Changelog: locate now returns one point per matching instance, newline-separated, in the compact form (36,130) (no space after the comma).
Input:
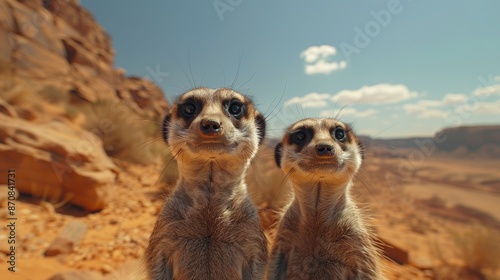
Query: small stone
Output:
(116,255)
(421,262)
(24,212)
(106,269)
(4,247)
(60,245)
(145,203)
(113,221)
(429,274)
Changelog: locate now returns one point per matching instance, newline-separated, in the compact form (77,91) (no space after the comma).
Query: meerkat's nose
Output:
(210,127)
(324,150)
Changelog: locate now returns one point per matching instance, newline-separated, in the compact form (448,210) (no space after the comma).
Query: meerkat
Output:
(322,234)
(209,228)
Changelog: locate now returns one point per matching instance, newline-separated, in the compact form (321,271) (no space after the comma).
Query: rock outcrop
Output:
(471,138)
(56,161)
(58,43)
(56,66)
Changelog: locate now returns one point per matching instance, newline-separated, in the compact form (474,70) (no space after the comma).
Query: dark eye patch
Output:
(301,137)
(189,109)
(235,108)
(339,133)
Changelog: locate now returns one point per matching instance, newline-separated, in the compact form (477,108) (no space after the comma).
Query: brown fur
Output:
(322,235)
(209,227)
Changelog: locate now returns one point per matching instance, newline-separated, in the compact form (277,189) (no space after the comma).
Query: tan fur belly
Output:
(206,258)
(308,266)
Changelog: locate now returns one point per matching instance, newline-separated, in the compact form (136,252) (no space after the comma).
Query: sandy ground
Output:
(401,211)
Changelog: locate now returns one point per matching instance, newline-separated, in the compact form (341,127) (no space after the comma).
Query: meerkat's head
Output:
(219,124)
(319,149)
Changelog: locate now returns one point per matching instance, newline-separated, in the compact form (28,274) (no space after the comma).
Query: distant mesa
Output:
(481,140)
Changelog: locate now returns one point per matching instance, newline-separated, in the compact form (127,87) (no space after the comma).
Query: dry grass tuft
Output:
(124,135)
(478,248)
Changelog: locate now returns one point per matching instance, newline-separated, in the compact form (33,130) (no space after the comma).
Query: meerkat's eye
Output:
(340,134)
(188,109)
(235,109)
(299,137)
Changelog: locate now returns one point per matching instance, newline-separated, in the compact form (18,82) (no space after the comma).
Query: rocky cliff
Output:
(62,102)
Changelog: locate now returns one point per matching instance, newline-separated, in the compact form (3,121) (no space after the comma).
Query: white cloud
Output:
(314,100)
(429,103)
(487,91)
(376,94)
(487,108)
(423,109)
(324,67)
(429,114)
(454,99)
(314,53)
(497,78)
(318,60)
(348,112)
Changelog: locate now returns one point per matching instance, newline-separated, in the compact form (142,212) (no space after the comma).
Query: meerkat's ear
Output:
(165,126)
(260,122)
(278,153)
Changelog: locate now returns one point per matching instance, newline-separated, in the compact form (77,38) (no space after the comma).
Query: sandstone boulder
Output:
(57,161)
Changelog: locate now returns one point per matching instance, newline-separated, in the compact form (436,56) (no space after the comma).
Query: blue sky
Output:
(392,68)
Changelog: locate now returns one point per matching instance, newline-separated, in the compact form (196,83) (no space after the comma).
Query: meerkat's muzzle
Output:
(210,128)
(324,150)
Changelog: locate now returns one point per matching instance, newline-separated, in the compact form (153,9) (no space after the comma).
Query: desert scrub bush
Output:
(169,173)
(478,248)
(123,133)
(54,95)
(71,111)
(15,90)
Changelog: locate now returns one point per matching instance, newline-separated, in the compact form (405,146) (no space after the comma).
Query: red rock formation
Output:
(57,46)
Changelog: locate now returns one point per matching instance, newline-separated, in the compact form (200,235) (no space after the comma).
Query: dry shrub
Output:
(478,248)
(13,89)
(54,95)
(169,173)
(124,134)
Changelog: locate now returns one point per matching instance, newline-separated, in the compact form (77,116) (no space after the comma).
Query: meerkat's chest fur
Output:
(206,226)
(325,243)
